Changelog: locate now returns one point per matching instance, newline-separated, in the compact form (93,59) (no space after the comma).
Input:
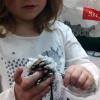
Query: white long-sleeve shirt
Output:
(60,44)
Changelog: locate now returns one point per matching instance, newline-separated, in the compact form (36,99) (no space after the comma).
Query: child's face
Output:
(25,9)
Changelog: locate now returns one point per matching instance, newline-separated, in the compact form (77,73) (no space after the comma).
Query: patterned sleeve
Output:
(76,55)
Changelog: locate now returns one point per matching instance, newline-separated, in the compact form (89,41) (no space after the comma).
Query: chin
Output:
(27,17)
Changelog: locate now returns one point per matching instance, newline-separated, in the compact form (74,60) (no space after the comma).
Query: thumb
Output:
(67,77)
(17,75)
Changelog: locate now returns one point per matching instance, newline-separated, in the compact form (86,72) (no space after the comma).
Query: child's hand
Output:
(25,88)
(79,77)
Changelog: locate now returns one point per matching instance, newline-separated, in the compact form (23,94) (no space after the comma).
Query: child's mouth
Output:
(28,6)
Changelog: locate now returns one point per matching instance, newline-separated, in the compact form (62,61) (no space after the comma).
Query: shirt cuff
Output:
(8,94)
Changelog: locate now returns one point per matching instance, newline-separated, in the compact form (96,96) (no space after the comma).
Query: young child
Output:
(28,28)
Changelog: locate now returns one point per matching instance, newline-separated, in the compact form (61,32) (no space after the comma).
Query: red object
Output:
(91,14)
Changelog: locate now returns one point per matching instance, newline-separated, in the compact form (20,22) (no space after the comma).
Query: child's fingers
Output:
(17,75)
(79,77)
(40,95)
(89,82)
(67,76)
(82,79)
(44,92)
(41,87)
(44,84)
(29,82)
(75,76)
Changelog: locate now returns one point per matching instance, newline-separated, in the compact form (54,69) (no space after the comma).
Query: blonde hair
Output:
(50,12)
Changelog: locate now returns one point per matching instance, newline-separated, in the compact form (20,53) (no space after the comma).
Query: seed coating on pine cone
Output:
(43,66)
